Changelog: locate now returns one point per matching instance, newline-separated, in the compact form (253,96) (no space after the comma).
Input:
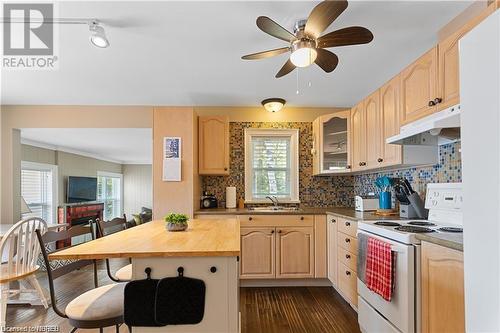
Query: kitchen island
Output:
(207,250)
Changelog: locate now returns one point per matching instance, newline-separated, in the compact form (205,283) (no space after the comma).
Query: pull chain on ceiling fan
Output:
(307,46)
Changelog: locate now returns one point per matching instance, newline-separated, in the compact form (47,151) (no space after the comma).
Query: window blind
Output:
(36,189)
(271,161)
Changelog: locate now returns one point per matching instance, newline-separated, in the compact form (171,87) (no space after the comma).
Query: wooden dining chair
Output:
(21,249)
(105,228)
(97,308)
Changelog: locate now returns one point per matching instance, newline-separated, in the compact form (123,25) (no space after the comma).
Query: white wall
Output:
(137,188)
(480,100)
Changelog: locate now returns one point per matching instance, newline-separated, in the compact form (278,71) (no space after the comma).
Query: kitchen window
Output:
(110,191)
(39,190)
(271,165)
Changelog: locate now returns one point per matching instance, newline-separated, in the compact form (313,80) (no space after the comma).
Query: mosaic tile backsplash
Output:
(329,191)
(314,191)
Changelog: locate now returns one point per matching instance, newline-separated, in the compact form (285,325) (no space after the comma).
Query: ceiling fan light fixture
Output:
(273,104)
(97,35)
(303,53)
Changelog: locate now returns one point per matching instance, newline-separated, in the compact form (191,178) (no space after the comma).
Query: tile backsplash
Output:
(314,191)
(328,191)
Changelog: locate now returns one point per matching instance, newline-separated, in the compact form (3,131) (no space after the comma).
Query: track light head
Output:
(97,35)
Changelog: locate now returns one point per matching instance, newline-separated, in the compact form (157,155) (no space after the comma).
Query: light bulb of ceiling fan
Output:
(303,57)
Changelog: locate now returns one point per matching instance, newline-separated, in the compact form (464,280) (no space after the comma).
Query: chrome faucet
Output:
(273,199)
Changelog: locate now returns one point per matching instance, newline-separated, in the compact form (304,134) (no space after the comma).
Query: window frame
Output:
(114,175)
(293,134)
(28,165)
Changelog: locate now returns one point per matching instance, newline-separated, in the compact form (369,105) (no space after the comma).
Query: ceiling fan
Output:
(307,46)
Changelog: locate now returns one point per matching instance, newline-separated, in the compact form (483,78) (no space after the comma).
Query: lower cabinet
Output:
(295,252)
(443,303)
(258,246)
(331,232)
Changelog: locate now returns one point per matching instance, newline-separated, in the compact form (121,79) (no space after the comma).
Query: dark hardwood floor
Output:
(263,310)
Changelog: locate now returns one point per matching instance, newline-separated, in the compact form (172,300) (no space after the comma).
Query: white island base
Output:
(222,290)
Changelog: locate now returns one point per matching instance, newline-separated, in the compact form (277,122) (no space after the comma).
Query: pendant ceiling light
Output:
(273,104)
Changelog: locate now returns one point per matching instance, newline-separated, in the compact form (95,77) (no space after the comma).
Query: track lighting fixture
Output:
(97,35)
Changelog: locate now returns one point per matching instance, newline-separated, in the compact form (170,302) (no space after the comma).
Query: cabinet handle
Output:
(380,160)
(272,231)
(225,169)
(432,103)
(250,218)
(438,100)
(348,256)
(347,273)
(348,167)
(362,163)
(347,240)
(347,224)
(302,218)
(334,221)
(279,231)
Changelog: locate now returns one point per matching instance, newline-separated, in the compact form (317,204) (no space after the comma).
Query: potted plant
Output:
(176,222)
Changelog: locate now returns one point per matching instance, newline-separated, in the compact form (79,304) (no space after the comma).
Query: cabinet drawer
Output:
(276,220)
(347,242)
(347,258)
(348,227)
(348,284)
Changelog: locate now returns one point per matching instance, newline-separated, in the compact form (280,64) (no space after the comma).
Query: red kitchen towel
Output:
(379,268)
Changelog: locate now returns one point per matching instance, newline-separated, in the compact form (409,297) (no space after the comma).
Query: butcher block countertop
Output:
(203,238)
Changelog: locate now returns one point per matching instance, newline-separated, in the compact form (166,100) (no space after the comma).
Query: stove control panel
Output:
(444,196)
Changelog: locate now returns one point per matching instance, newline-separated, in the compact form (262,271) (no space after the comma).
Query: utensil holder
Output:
(384,200)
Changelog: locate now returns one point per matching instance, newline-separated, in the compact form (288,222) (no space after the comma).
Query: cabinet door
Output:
(389,112)
(372,116)
(358,125)
(443,303)
(213,145)
(335,152)
(257,259)
(419,86)
(332,248)
(294,252)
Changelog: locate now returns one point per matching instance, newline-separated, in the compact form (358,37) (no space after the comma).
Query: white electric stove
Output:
(402,313)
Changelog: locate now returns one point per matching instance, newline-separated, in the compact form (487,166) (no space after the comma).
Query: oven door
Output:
(400,311)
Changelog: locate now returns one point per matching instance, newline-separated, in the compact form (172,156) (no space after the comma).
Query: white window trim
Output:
(115,175)
(294,167)
(55,182)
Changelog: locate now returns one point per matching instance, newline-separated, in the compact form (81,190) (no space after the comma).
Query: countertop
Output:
(447,239)
(203,238)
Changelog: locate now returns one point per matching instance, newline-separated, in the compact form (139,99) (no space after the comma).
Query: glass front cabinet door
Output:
(331,146)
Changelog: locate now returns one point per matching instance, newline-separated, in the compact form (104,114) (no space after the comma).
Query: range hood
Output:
(437,129)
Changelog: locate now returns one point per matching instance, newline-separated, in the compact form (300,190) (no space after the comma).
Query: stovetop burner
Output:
(410,228)
(387,224)
(451,229)
(422,223)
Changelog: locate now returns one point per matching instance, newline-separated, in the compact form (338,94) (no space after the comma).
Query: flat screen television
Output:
(81,189)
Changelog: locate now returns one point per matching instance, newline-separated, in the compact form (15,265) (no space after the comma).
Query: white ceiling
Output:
(119,145)
(188,53)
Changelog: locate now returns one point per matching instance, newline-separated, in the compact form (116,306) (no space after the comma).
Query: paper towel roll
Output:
(231,197)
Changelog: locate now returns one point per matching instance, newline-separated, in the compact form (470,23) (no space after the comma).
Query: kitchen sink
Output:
(275,209)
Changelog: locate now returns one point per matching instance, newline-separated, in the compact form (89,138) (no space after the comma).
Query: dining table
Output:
(208,250)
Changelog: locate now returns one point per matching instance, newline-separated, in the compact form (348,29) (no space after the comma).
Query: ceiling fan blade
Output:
(323,15)
(274,29)
(287,68)
(346,36)
(326,60)
(265,54)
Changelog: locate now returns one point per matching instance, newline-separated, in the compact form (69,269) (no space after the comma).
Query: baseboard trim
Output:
(286,283)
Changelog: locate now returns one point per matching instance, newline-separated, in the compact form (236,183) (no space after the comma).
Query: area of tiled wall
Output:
(314,191)
(447,171)
(328,191)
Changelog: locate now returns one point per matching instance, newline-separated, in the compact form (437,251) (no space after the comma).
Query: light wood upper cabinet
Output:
(373,130)
(358,129)
(443,303)
(295,252)
(331,232)
(213,137)
(257,253)
(448,71)
(419,86)
(389,113)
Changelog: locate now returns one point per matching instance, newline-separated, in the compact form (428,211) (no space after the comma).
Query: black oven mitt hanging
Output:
(180,300)
(139,298)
